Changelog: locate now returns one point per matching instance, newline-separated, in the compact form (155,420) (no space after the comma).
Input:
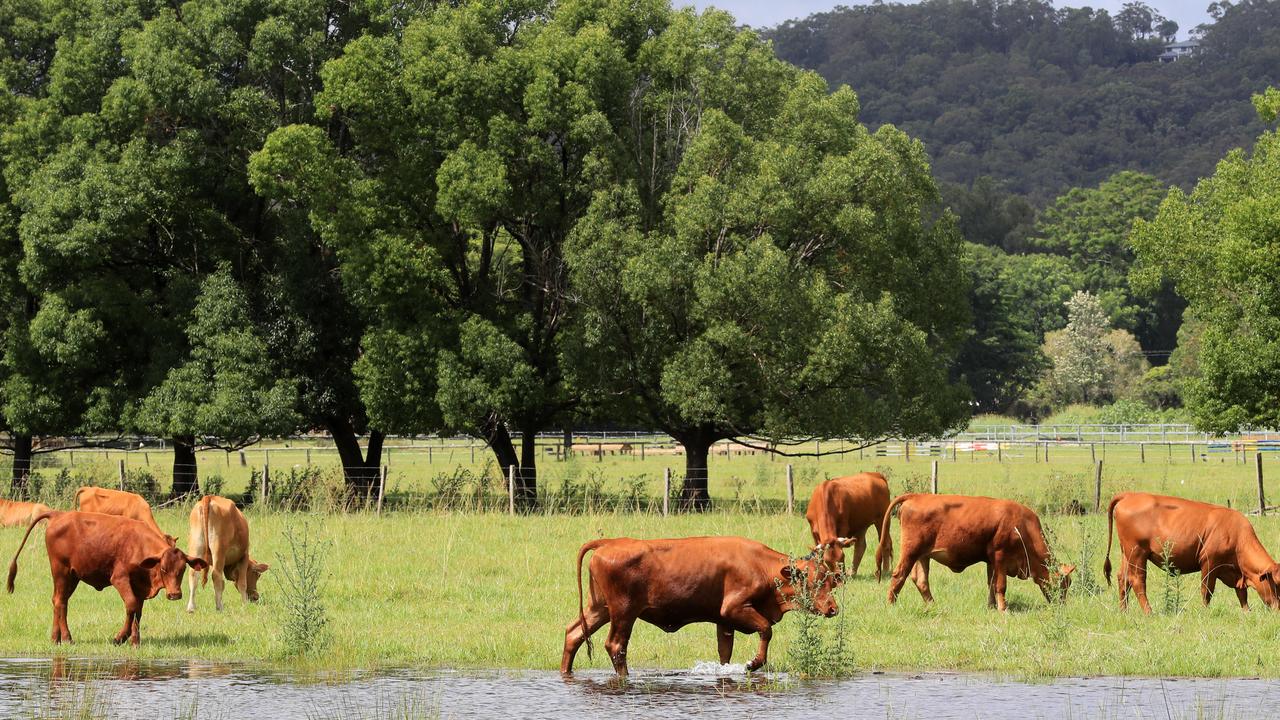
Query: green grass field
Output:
(489,590)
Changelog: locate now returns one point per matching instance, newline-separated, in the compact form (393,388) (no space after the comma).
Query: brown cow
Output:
(840,511)
(15,513)
(1215,541)
(104,550)
(119,502)
(220,534)
(959,531)
(738,584)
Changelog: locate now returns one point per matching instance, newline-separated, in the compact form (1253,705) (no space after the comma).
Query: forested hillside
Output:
(1047,99)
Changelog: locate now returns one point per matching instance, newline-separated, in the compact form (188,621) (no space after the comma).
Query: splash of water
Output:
(714,669)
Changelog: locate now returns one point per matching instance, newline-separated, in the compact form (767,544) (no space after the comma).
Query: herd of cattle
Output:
(743,586)
(113,540)
(738,584)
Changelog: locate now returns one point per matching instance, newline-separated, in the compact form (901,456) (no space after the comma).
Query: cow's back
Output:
(678,581)
(846,506)
(964,529)
(1154,520)
(16,513)
(216,522)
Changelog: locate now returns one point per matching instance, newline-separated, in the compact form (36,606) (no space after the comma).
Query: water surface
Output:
(130,689)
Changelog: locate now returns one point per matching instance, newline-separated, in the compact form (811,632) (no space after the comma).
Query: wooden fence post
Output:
(308,456)
(906,451)
(1093,452)
(511,489)
(1142,452)
(791,491)
(1097,486)
(266,483)
(954,451)
(473,452)
(1046,451)
(999,452)
(1193,452)
(243,462)
(934,477)
(146,459)
(1262,498)
(122,473)
(428,454)
(666,491)
(382,487)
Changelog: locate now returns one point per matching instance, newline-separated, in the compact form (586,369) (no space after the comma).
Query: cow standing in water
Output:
(102,550)
(840,511)
(737,584)
(219,534)
(1215,541)
(119,502)
(959,531)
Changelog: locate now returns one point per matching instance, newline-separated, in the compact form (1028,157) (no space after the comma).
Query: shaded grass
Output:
(489,590)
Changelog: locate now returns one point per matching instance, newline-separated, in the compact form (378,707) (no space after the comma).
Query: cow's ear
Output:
(845,542)
(261,567)
(1066,570)
(786,572)
(196,563)
(148,563)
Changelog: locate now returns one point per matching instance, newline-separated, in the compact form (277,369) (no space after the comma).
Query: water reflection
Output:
(66,686)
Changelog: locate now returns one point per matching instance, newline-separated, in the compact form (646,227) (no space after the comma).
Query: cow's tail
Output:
(13,566)
(203,505)
(884,551)
(582,615)
(1106,564)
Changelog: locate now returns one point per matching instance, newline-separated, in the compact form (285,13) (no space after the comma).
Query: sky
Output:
(763,13)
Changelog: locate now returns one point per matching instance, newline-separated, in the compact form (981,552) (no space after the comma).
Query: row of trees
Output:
(224,220)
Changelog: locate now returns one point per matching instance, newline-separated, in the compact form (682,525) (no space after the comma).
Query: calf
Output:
(959,531)
(103,550)
(119,502)
(15,513)
(220,535)
(738,584)
(1215,541)
(840,511)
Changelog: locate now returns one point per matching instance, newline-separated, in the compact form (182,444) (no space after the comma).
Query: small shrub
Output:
(1171,592)
(142,482)
(1086,582)
(910,483)
(301,573)
(213,484)
(820,648)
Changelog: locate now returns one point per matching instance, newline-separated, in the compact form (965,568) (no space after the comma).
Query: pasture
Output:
(464,589)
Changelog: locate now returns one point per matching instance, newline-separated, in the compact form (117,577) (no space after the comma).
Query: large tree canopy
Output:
(1220,245)
(762,270)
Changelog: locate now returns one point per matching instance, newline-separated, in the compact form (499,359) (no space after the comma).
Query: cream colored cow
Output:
(219,533)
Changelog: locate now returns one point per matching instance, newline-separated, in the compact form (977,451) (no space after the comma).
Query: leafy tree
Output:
(1090,361)
(762,269)
(1001,359)
(1220,246)
(1090,226)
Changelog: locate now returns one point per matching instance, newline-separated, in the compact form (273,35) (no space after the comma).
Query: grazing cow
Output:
(840,511)
(15,513)
(119,502)
(104,550)
(1215,541)
(220,534)
(959,531)
(738,584)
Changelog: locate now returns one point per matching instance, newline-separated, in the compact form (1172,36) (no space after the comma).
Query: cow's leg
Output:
(906,564)
(577,633)
(1137,576)
(217,569)
(920,576)
(991,584)
(616,643)
(859,547)
(999,581)
(724,643)
(63,585)
(132,612)
(745,616)
(1242,594)
(1208,582)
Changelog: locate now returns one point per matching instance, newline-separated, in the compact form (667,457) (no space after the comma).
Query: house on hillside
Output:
(1176,50)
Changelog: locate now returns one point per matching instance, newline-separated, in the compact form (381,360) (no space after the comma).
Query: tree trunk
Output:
(568,441)
(21,465)
(694,495)
(360,470)
(527,478)
(185,481)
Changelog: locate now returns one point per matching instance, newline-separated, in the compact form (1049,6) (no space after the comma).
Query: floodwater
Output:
(64,687)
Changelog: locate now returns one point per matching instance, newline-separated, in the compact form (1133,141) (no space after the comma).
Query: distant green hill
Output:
(1046,99)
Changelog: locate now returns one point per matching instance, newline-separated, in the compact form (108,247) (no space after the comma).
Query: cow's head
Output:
(833,552)
(1064,582)
(251,579)
(167,569)
(809,583)
(1269,586)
